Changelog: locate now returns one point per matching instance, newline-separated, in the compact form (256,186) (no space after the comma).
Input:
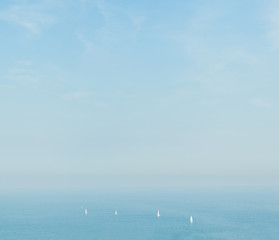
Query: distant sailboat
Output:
(85,211)
(158,214)
(191,219)
(115,212)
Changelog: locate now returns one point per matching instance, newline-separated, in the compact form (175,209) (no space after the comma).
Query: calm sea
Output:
(217,215)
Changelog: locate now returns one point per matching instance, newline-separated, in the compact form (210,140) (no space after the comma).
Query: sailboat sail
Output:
(158,214)
(191,219)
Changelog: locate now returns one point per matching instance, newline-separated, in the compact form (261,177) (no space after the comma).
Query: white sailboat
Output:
(115,212)
(191,219)
(85,211)
(158,214)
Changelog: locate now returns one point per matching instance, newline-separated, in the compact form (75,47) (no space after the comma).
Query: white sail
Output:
(191,219)
(158,214)
(115,212)
(85,211)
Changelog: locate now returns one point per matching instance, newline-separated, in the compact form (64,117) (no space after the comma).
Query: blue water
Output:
(217,215)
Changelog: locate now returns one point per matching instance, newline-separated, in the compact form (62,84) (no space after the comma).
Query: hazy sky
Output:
(105,93)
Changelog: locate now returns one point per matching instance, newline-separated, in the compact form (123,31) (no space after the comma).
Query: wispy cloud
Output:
(119,23)
(29,16)
(6,86)
(215,63)
(76,95)
(88,44)
(273,32)
(137,22)
(23,78)
(260,102)
(85,97)
(102,105)
(23,72)
(112,13)
(105,9)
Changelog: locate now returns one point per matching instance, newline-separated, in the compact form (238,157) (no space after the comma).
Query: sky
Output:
(137,94)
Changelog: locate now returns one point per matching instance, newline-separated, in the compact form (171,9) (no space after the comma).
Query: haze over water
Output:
(93,91)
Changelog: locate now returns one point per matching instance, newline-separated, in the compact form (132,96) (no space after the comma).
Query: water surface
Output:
(217,215)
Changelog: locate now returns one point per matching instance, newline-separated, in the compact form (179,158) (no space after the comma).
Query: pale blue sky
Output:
(122,93)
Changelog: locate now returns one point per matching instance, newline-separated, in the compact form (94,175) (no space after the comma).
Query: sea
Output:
(218,214)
